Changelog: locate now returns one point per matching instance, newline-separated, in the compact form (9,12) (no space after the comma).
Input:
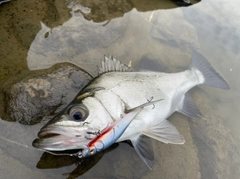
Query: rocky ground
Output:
(42,94)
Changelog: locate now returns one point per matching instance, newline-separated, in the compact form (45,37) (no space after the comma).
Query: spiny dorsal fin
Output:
(111,64)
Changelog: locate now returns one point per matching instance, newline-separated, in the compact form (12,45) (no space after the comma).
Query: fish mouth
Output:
(60,138)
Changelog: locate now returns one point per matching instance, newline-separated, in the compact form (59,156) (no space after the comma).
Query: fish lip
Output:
(56,130)
(59,138)
(47,132)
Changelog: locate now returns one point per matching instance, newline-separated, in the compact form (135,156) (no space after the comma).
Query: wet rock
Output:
(20,22)
(24,28)
(106,10)
(44,94)
(101,11)
(25,32)
(172,29)
(184,2)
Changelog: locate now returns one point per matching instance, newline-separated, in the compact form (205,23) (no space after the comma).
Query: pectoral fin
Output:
(143,147)
(165,132)
(189,108)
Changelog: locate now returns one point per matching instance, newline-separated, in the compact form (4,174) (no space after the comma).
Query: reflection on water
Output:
(69,41)
(129,31)
(219,36)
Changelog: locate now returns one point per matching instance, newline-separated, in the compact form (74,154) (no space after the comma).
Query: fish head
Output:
(75,126)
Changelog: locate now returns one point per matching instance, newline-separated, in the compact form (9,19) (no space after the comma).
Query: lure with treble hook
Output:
(112,133)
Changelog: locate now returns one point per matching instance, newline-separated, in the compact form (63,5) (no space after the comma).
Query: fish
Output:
(112,133)
(117,89)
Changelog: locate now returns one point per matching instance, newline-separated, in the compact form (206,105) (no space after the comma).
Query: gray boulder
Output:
(43,94)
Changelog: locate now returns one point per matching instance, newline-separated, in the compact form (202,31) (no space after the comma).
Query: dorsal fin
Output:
(111,64)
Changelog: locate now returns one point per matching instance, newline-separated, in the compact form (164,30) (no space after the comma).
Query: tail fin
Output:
(210,76)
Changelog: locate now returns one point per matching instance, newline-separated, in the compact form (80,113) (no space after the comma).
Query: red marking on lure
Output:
(105,132)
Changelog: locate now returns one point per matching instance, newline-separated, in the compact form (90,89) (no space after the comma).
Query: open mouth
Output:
(52,131)
(59,138)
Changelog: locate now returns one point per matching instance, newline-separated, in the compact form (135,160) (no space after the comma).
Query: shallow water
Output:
(129,31)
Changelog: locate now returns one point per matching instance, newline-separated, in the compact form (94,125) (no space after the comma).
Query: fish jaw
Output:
(64,132)
(57,137)
(60,143)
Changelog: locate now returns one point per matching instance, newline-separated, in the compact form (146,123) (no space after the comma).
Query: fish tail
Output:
(206,73)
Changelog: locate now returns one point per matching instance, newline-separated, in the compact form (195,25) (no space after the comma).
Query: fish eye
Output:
(78,113)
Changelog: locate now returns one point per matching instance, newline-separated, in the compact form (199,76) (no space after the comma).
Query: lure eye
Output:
(78,113)
(92,151)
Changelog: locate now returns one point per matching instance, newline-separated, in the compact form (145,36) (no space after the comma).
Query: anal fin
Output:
(143,147)
(189,108)
(165,132)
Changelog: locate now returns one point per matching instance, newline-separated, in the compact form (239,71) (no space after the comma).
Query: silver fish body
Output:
(134,88)
(112,133)
(107,97)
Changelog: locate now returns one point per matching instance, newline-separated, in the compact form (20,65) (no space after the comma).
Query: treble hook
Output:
(77,154)
(150,100)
